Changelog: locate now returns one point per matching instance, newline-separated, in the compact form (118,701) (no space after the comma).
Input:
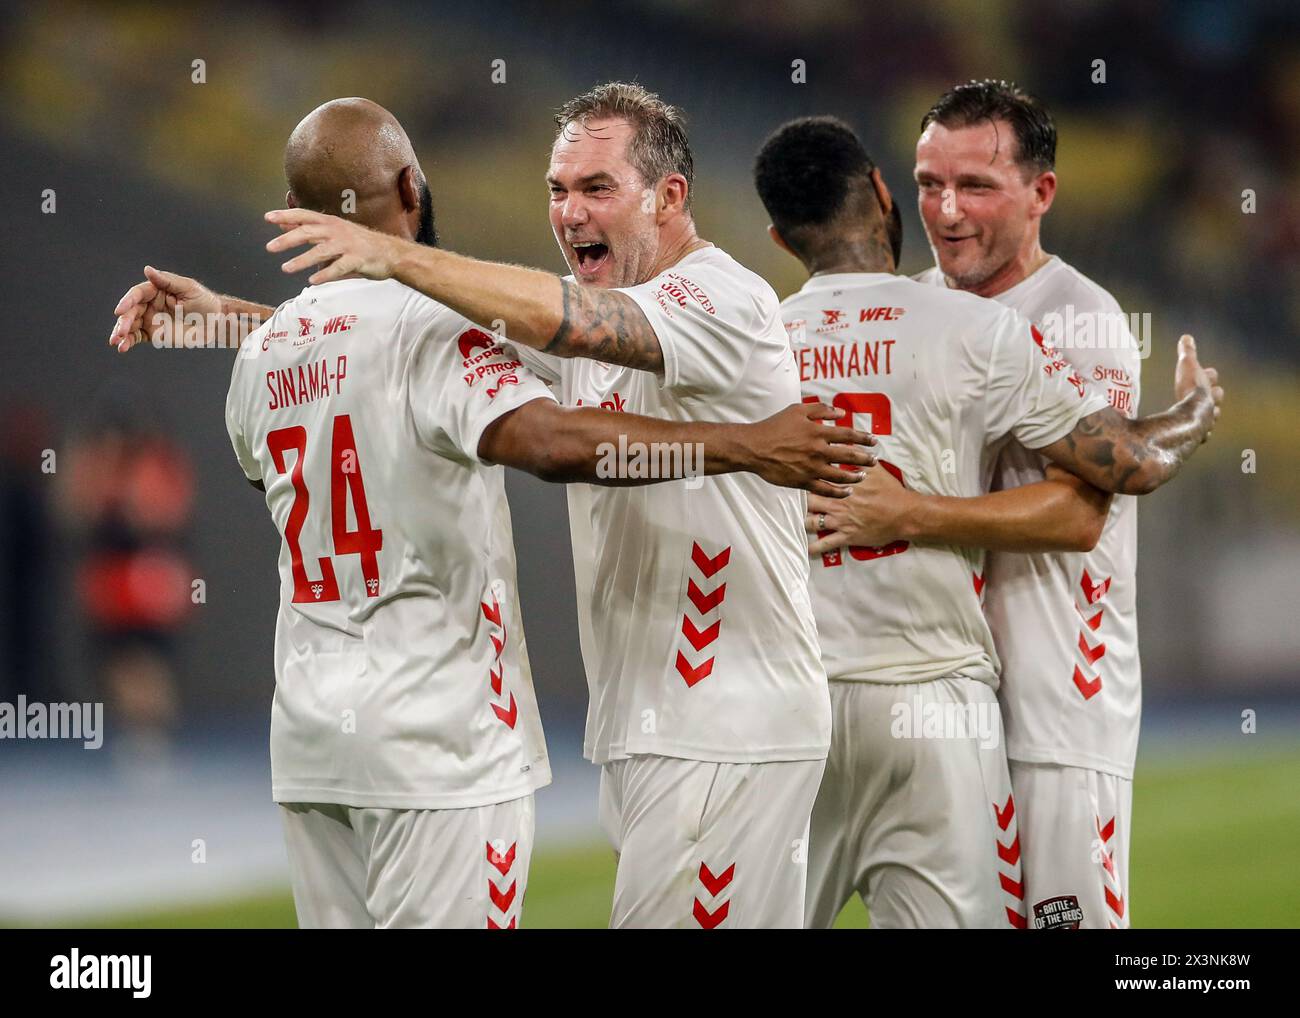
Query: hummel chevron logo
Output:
(714,884)
(709,566)
(699,640)
(1095,621)
(508,926)
(708,920)
(1088,687)
(492,614)
(501,862)
(705,603)
(693,675)
(978,581)
(1010,854)
(1014,888)
(1115,903)
(1093,592)
(1006,814)
(1091,654)
(508,716)
(495,679)
(502,899)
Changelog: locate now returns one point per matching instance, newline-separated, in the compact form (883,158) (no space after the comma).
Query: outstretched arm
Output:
(1061,513)
(792,448)
(539,309)
(1135,457)
(167,309)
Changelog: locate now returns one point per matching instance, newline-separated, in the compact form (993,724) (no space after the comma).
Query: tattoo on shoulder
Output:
(605,326)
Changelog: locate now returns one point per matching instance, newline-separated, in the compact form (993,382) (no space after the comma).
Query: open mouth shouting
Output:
(589,256)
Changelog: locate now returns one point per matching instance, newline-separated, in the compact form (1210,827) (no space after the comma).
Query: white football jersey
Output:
(1065,623)
(402,679)
(697,631)
(942,379)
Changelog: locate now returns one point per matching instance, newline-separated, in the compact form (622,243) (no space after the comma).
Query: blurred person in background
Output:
(127,493)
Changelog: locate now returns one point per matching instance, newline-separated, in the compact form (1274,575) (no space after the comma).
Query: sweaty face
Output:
(974,199)
(602,216)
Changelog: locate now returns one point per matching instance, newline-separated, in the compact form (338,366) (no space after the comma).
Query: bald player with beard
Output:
(405,739)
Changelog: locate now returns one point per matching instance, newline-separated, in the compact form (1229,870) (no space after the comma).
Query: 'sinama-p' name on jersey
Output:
(942,379)
(402,679)
(1065,623)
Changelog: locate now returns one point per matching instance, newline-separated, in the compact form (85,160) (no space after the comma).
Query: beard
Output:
(894,231)
(428,232)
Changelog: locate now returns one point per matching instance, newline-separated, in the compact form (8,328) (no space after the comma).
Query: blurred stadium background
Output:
(97,103)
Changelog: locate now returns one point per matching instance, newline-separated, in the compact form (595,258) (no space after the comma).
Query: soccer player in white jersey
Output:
(405,740)
(1065,623)
(709,711)
(915,812)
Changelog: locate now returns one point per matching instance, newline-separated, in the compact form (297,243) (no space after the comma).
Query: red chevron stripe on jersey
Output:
(705,603)
(508,715)
(693,675)
(1093,592)
(701,635)
(700,640)
(708,920)
(1088,687)
(1005,814)
(1091,654)
(715,884)
(709,566)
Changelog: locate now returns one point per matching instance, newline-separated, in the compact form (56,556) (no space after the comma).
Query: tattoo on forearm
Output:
(1141,455)
(605,326)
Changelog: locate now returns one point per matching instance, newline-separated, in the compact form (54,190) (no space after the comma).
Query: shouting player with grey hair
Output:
(405,740)
(709,713)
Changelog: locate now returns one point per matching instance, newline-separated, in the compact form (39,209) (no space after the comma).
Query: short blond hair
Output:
(659,145)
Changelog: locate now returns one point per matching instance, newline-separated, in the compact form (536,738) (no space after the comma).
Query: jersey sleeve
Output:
(546,366)
(708,322)
(234,419)
(460,380)
(1033,392)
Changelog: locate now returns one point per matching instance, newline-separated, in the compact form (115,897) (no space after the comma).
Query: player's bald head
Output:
(352,145)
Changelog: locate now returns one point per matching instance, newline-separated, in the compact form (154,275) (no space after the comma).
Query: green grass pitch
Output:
(1214,845)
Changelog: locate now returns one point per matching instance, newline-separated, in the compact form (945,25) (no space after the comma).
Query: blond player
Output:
(405,742)
(916,813)
(709,711)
